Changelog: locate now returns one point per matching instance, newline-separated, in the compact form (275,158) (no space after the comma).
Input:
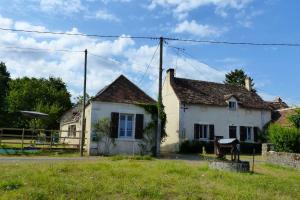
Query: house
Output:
(122,103)
(281,116)
(70,126)
(201,110)
(277,104)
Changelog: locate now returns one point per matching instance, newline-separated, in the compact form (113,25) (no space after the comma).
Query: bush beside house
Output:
(284,139)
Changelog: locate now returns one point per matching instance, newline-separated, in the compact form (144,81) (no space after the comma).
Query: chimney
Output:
(170,73)
(248,84)
(278,99)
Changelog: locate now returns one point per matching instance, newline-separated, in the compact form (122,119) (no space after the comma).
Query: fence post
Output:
(51,138)
(1,132)
(22,146)
(253,160)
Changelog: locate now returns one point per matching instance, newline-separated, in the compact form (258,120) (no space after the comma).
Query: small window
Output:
(248,133)
(126,126)
(232,105)
(72,131)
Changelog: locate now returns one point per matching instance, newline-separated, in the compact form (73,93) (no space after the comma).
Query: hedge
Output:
(194,146)
(285,139)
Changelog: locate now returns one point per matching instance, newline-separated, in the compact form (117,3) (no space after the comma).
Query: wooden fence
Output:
(17,138)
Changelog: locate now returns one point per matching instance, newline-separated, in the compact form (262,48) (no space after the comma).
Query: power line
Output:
(39,49)
(105,59)
(79,34)
(234,43)
(147,67)
(154,38)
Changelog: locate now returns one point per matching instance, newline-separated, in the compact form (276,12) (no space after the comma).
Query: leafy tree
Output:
(295,118)
(44,95)
(79,99)
(103,136)
(4,80)
(237,78)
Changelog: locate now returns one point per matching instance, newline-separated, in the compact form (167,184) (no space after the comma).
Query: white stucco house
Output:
(122,103)
(200,110)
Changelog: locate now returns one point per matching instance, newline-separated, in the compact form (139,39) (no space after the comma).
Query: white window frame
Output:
(133,126)
(249,133)
(207,131)
(232,103)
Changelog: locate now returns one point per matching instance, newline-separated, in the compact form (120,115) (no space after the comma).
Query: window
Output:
(72,131)
(232,105)
(248,133)
(126,126)
(232,131)
(201,131)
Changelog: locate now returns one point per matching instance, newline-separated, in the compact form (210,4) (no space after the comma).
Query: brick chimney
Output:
(248,84)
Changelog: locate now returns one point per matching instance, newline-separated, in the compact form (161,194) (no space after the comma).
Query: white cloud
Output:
(103,15)
(201,30)
(245,19)
(184,7)
(131,60)
(62,6)
(5,22)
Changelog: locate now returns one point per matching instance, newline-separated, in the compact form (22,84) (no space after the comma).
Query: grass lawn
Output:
(117,178)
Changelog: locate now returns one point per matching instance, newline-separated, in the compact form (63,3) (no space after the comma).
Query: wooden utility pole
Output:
(158,135)
(82,136)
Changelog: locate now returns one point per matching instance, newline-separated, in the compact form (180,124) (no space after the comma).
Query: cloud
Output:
(201,30)
(245,19)
(62,6)
(5,22)
(103,15)
(184,7)
(113,57)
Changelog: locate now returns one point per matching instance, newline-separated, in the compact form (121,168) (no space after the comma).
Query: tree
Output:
(103,136)
(295,118)
(4,80)
(79,99)
(237,78)
(44,95)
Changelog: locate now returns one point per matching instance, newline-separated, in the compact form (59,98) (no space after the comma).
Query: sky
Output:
(275,70)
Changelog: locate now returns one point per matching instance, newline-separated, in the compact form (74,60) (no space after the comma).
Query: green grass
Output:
(127,178)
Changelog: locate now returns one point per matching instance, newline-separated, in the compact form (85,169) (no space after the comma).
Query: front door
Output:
(232,131)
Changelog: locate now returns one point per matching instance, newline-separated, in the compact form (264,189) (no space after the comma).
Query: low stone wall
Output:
(243,166)
(280,158)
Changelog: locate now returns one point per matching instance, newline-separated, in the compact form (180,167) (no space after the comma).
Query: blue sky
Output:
(275,70)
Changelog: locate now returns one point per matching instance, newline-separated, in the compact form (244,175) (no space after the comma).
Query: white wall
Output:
(99,110)
(222,118)
(171,103)
(64,133)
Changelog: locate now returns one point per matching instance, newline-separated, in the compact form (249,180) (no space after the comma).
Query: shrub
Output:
(187,147)
(285,139)
(247,148)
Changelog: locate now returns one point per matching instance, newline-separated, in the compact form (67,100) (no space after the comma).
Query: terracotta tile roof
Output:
(281,117)
(123,90)
(210,93)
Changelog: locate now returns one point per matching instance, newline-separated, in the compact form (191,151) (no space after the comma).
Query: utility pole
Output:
(82,136)
(158,136)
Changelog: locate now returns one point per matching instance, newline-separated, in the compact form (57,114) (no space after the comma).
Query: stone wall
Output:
(280,158)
